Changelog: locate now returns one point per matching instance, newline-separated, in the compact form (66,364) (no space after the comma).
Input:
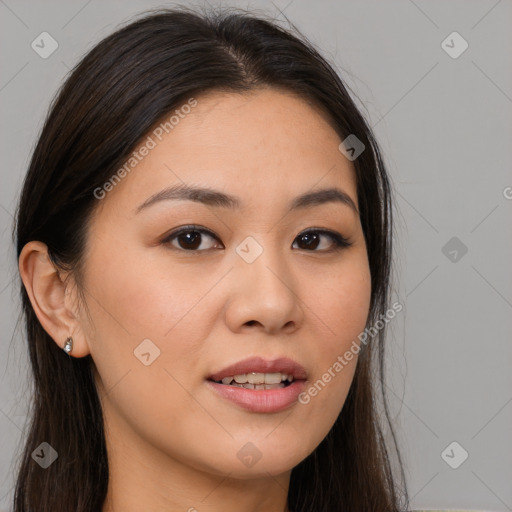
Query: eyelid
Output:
(340,242)
(187,228)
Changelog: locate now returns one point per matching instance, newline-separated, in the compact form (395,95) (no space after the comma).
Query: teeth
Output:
(273,378)
(254,380)
(258,386)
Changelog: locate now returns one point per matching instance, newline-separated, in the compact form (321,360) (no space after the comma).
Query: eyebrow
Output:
(216,198)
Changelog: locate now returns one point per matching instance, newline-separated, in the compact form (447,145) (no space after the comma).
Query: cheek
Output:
(131,303)
(149,299)
(171,308)
(341,301)
(341,306)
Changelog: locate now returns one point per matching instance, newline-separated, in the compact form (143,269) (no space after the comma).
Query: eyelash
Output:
(340,242)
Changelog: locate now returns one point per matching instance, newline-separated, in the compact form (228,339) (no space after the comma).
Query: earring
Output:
(68,346)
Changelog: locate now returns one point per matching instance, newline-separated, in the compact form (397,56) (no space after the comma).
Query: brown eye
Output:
(191,239)
(312,239)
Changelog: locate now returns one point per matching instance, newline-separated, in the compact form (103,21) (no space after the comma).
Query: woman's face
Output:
(167,312)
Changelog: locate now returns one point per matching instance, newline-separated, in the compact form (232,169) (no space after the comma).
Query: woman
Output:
(204,240)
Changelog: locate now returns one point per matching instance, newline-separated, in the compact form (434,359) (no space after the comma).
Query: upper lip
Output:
(261,365)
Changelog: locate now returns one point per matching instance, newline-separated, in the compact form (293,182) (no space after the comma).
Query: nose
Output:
(264,296)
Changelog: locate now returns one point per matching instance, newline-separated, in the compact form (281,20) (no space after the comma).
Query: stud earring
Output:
(68,346)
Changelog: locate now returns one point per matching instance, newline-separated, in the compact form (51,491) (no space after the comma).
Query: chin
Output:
(257,460)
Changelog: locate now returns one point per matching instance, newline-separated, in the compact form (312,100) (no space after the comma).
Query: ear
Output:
(55,301)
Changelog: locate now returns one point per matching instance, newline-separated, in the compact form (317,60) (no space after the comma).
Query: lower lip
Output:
(261,400)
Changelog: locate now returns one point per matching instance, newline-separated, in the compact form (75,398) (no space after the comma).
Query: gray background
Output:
(445,126)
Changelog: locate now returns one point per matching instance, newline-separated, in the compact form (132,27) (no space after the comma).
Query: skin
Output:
(172,442)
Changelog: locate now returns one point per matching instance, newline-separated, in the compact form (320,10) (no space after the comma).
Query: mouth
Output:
(257,371)
(254,380)
(260,385)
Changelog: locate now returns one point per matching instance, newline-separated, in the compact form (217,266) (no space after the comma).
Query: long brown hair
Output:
(110,101)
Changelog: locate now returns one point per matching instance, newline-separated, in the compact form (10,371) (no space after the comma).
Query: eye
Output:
(193,238)
(190,238)
(312,239)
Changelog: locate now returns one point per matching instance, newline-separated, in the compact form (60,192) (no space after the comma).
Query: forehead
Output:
(264,146)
